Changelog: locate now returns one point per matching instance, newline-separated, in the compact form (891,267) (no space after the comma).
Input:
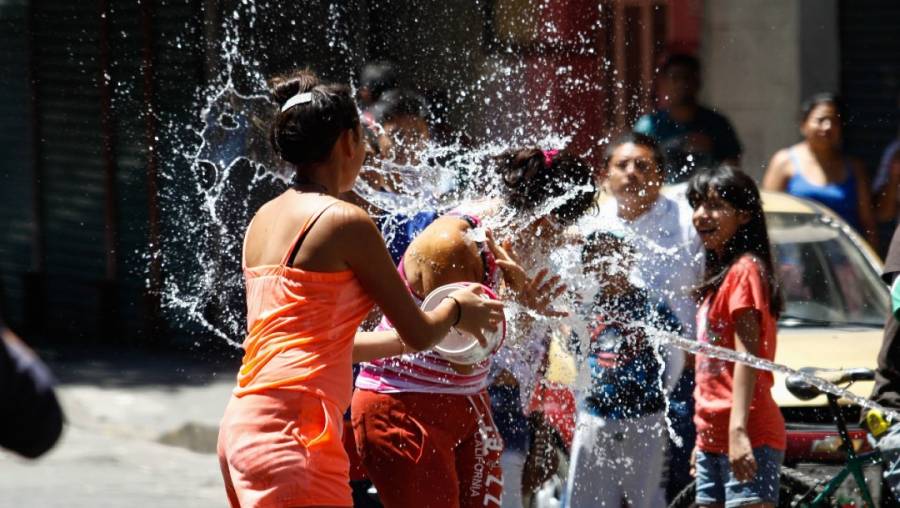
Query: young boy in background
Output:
(618,450)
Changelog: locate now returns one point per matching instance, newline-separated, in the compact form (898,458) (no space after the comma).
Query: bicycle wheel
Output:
(685,498)
(798,489)
(795,490)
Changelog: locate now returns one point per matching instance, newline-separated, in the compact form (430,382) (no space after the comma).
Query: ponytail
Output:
(305,132)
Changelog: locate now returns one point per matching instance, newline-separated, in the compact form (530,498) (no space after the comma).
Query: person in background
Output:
(403,115)
(887,195)
(886,391)
(519,367)
(888,184)
(31,419)
(816,168)
(741,436)
(618,450)
(397,132)
(659,228)
(692,136)
(886,188)
(375,79)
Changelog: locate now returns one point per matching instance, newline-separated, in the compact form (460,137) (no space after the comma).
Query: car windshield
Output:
(826,279)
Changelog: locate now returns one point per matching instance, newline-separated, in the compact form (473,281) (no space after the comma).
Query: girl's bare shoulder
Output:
(748,262)
(781,160)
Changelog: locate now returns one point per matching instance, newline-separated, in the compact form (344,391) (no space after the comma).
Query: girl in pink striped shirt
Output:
(422,424)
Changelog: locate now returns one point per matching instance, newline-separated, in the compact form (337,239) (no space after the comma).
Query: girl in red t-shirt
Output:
(740,430)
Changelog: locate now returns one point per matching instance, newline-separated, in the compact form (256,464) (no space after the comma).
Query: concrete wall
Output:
(750,55)
(820,48)
(760,58)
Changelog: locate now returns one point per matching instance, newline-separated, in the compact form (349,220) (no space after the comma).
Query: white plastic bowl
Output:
(457,346)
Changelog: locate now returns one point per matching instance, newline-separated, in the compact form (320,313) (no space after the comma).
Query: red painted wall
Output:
(572,62)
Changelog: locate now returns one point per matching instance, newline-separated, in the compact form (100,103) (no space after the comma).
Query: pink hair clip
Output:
(548,156)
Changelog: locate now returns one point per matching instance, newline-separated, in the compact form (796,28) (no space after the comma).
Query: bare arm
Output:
(778,172)
(365,254)
(368,346)
(886,202)
(866,214)
(746,340)
(886,198)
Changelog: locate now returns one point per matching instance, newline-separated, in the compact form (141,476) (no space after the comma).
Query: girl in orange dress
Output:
(314,267)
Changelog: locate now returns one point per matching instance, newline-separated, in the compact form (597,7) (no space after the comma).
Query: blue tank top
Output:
(842,198)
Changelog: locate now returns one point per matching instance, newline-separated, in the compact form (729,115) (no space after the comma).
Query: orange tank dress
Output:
(280,437)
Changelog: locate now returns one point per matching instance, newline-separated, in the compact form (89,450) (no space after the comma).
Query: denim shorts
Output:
(716,484)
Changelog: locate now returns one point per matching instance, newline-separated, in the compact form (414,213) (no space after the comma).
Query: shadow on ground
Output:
(109,366)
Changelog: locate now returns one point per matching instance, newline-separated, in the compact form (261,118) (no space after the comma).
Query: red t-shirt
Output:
(744,287)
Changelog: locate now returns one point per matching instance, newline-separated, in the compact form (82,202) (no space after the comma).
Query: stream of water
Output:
(226,171)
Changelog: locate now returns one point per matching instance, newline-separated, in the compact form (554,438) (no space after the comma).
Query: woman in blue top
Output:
(817,169)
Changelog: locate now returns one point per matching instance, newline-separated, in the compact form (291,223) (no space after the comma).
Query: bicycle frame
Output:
(855,462)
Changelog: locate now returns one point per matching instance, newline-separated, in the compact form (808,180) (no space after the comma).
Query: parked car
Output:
(835,300)
(836,306)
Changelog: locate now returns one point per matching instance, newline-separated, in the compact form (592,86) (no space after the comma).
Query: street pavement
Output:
(140,431)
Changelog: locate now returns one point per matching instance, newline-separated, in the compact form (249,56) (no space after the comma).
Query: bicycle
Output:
(798,489)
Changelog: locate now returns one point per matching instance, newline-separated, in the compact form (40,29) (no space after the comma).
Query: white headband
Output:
(300,98)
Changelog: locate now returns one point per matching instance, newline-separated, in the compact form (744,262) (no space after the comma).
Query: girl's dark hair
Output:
(397,103)
(638,139)
(812,101)
(306,132)
(690,62)
(529,180)
(612,241)
(378,77)
(740,191)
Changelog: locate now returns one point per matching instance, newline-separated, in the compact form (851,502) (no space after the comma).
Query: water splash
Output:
(225,170)
(763,364)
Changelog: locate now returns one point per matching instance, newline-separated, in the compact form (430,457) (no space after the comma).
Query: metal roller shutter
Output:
(66,67)
(870,75)
(15,159)
(86,291)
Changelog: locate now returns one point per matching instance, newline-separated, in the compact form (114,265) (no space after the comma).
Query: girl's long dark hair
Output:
(305,133)
(531,176)
(740,191)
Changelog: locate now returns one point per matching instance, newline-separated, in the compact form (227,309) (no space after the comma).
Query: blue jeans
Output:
(681,414)
(716,484)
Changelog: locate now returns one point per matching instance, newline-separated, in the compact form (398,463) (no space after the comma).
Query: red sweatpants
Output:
(429,450)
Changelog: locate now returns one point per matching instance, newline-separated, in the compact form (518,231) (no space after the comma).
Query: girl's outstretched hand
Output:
(535,292)
(693,462)
(477,312)
(540,293)
(514,275)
